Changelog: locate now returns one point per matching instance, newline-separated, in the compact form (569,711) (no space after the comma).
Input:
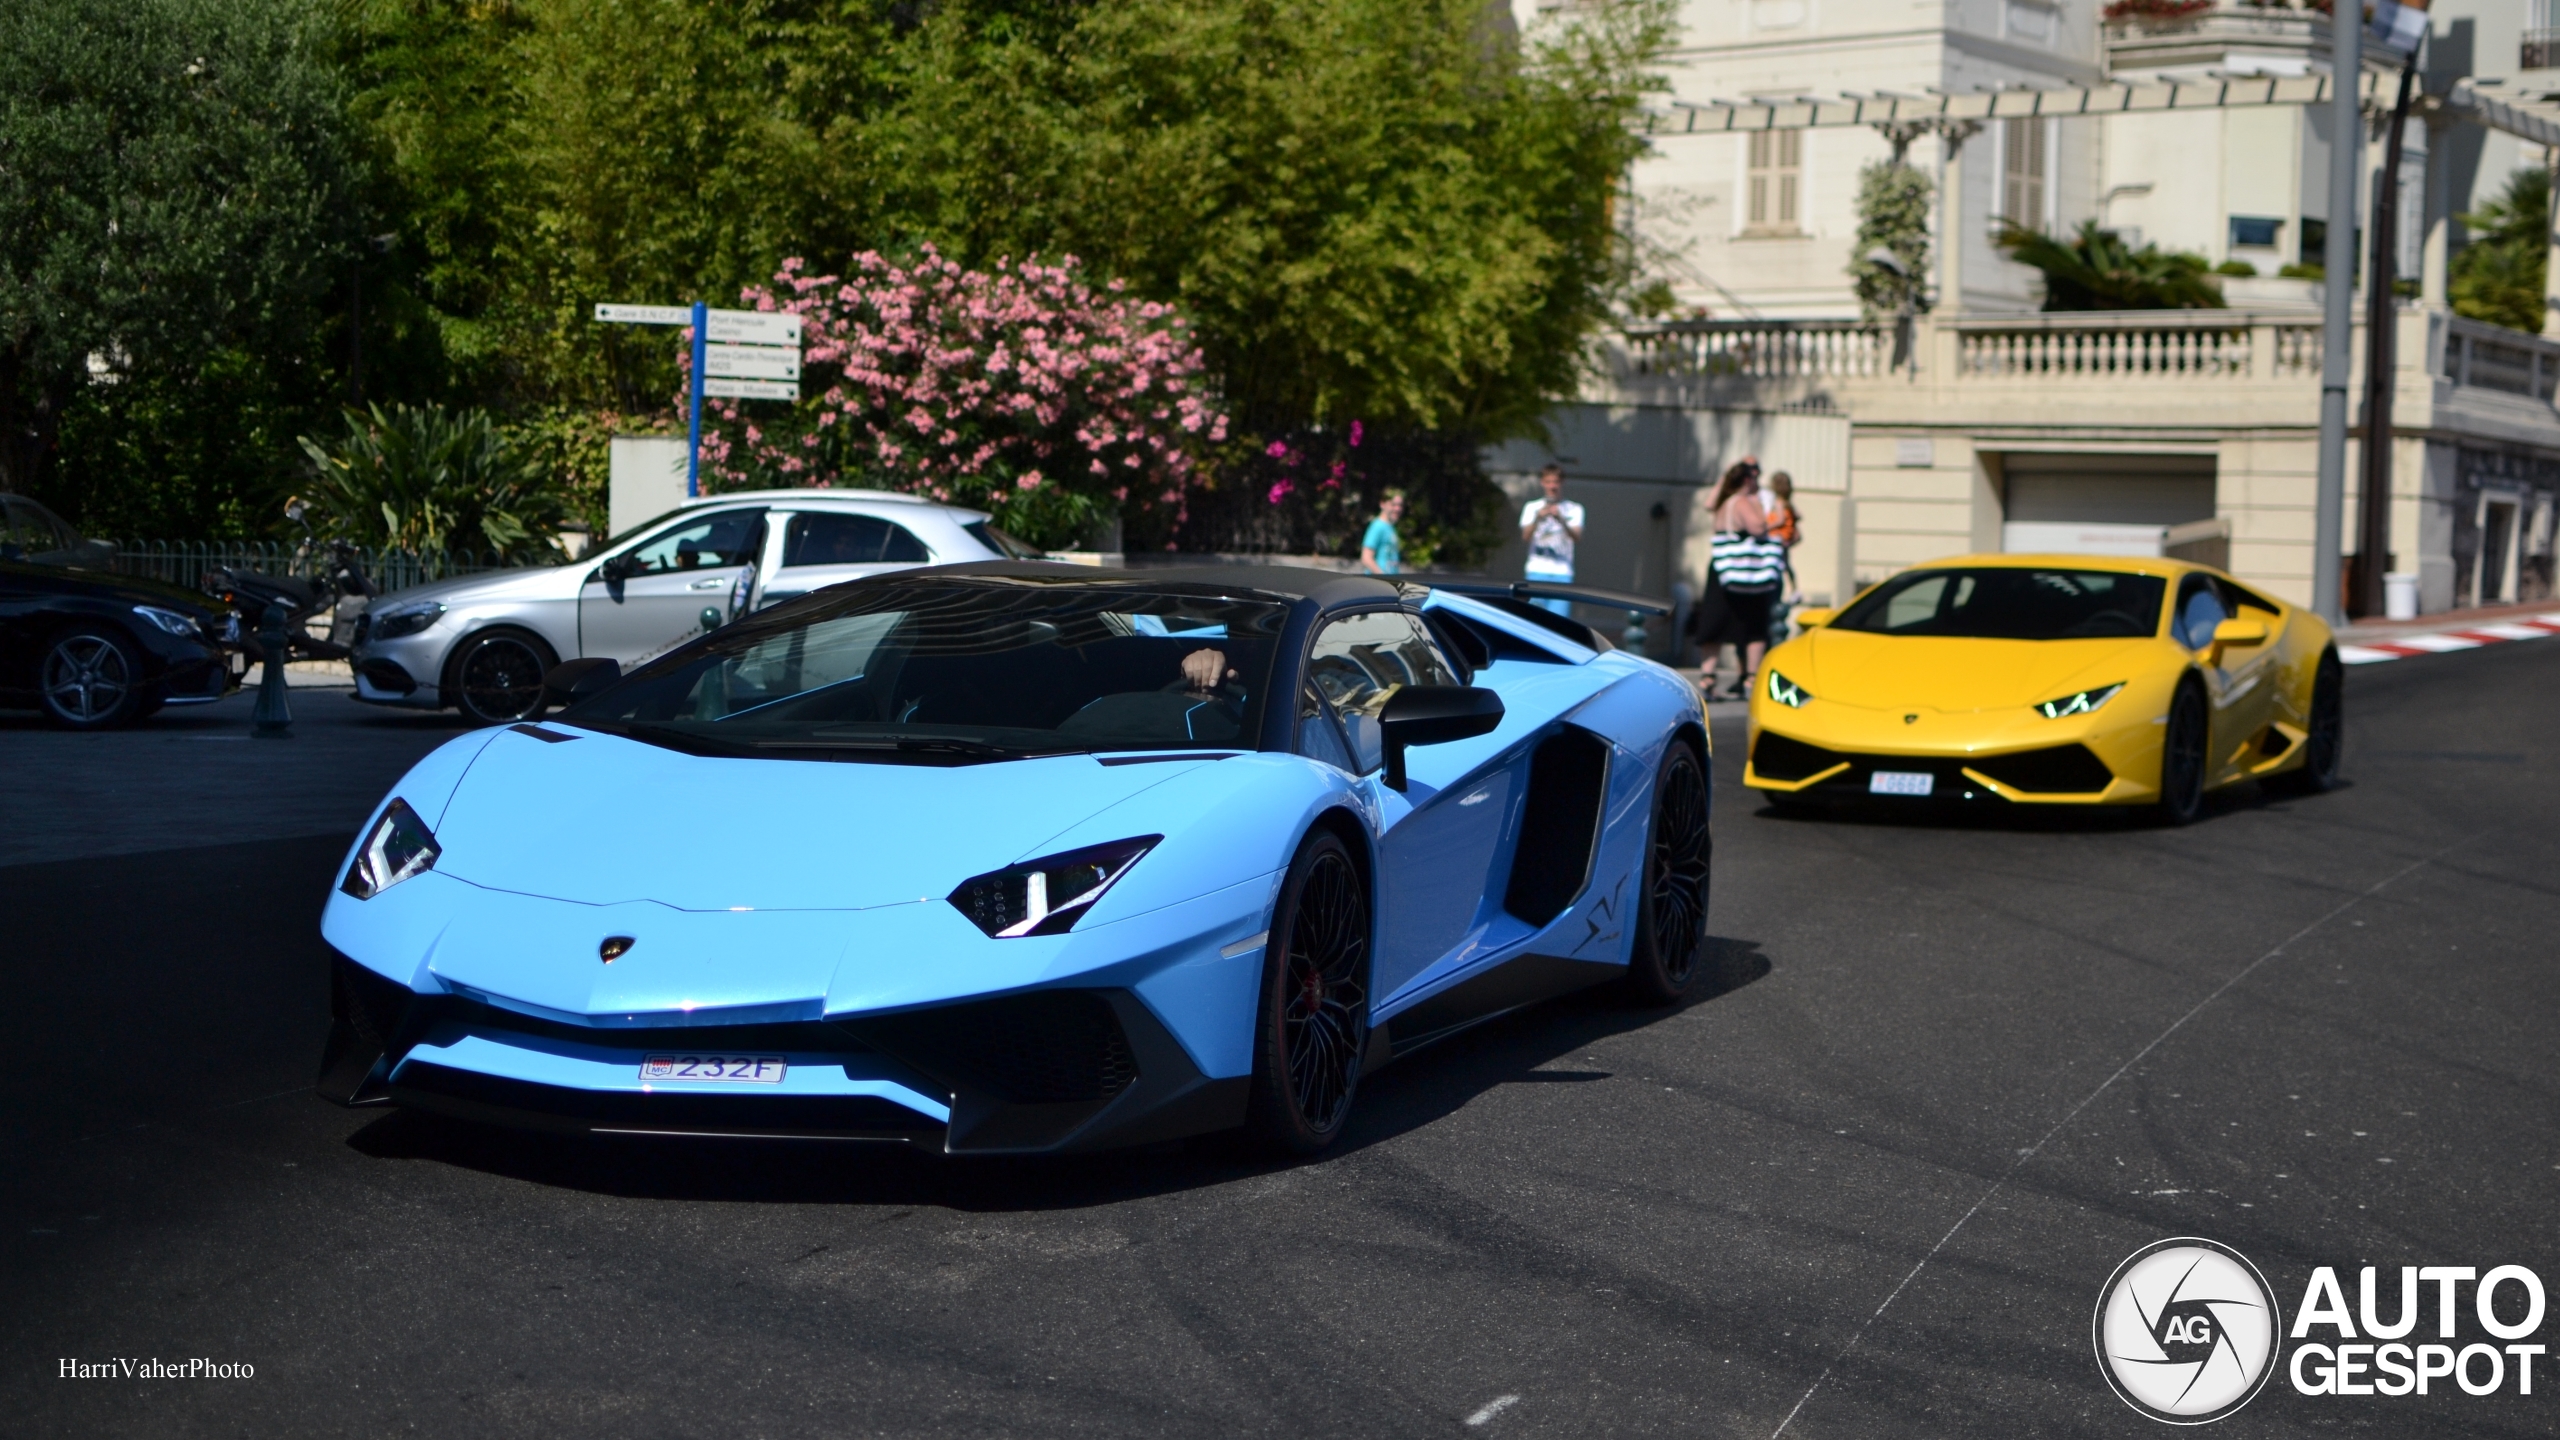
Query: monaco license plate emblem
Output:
(1901,782)
(726,1069)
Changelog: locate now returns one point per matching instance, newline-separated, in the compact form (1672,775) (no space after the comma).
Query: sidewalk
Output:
(2369,642)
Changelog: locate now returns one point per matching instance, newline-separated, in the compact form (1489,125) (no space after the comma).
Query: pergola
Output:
(1957,117)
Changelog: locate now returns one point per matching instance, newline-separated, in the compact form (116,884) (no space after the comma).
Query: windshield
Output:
(2010,603)
(948,671)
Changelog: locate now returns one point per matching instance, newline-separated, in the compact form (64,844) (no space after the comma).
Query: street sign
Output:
(758,358)
(644,314)
(753,327)
(750,362)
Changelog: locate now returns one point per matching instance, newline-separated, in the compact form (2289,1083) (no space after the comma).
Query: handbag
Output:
(1750,563)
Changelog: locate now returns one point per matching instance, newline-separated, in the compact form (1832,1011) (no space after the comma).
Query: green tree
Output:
(1893,215)
(2498,276)
(176,194)
(2097,271)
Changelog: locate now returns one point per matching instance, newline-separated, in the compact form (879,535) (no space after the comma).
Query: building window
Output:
(1776,185)
(2022,173)
(2255,230)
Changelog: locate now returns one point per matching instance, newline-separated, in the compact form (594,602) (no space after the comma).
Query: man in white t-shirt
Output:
(1552,526)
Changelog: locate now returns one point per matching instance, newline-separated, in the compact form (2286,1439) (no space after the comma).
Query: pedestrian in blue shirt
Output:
(1381,553)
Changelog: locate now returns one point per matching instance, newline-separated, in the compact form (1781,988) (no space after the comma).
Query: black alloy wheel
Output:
(90,679)
(498,677)
(1671,929)
(1313,1028)
(2182,756)
(2324,739)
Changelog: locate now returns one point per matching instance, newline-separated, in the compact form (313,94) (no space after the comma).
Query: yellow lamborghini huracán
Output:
(2052,680)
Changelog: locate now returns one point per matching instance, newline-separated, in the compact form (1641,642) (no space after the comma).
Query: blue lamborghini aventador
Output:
(1022,857)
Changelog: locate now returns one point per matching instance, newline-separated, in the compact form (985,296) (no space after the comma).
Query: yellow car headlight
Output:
(1787,692)
(2080,704)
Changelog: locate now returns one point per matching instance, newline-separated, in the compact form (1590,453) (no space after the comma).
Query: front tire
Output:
(2183,749)
(1671,920)
(497,677)
(90,678)
(2325,733)
(1312,1028)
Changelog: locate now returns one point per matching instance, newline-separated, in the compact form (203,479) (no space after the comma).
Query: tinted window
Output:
(1359,660)
(2200,609)
(817,537)
(2007,603)
(944,670)
(727,538)
(1003,544)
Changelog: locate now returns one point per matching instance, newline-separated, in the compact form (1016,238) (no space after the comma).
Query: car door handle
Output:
(714,584)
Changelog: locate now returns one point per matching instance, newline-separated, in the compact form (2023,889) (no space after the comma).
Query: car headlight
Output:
(400,847)
(176,622)
(1048,895)
(1787,692)
(409,619)
(2080,704)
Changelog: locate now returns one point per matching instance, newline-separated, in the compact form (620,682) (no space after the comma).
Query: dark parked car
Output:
(28,531)
(95,650)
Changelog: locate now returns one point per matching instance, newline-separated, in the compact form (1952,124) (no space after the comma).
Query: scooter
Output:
(337,590)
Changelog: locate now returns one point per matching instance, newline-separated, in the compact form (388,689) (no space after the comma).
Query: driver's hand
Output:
(1206,669)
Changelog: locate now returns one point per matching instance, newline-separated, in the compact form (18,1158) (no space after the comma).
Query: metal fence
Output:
(183,562)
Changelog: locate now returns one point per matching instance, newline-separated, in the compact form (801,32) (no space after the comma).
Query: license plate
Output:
(1901,782)
(728,1069)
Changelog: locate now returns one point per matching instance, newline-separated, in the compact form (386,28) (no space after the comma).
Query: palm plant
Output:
(423,478)
(2498,276)
(2095,270)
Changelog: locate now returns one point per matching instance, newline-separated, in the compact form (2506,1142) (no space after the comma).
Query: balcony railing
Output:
(1762,349)
(2540,51)
(2185,344)
(2492,357)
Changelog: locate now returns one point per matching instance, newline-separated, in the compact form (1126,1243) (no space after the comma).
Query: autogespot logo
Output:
(2186,1331)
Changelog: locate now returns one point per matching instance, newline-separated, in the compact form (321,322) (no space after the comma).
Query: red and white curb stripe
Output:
(2534,627)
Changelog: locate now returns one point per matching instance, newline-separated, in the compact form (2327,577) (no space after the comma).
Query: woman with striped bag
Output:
(1746,570)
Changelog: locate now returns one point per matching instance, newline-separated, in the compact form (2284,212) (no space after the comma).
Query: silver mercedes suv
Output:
(481,643)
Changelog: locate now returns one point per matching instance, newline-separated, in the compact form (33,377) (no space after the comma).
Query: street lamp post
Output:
(2338,266)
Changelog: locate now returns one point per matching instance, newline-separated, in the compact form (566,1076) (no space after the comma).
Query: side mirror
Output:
(571,681)
(1812,615)
(620,567)
(2235,635)
(1434,715)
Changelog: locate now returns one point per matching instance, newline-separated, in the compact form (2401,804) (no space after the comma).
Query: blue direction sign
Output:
(756,357)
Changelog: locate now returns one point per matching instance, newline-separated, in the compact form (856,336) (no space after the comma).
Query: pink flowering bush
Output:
(1022,390)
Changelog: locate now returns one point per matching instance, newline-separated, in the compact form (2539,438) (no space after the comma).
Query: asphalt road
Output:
(1872,1192)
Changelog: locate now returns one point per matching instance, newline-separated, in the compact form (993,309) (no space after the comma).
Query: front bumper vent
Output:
(1047,1047)
(2052,770)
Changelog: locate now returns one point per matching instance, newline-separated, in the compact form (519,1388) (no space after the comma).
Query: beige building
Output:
(2007,428)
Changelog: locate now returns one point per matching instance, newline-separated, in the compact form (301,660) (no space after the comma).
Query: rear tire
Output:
(1312,1028)
(2325,733)
(90,678)
(497,677)
(1671,942)
(2183,751)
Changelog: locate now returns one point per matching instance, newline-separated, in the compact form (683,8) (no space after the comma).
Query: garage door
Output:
(2101,504)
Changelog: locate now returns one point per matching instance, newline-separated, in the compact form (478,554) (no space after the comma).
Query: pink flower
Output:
(1355,437)
(1279,492)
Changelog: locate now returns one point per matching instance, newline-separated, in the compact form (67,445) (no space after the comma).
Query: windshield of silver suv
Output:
(949,671)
